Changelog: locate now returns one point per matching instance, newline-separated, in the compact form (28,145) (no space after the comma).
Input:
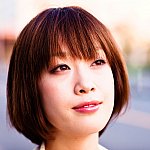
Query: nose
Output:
(84,86)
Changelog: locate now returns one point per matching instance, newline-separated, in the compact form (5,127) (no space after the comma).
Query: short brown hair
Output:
(41,39)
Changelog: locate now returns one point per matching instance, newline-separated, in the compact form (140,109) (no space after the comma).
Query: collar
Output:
(42,147)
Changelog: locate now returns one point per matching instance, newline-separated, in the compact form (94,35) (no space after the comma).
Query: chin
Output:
(86,130)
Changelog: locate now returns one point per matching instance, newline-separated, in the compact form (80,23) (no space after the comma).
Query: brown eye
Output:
(98,62)
(60,68)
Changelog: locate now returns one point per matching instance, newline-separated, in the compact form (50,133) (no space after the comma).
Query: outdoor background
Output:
(129,22)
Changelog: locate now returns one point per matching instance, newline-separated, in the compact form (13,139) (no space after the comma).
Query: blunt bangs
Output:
(74,30)
(67,32)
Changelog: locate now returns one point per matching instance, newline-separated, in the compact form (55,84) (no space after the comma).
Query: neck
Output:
(65,142)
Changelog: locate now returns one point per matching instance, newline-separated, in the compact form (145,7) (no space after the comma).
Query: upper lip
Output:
(87,104)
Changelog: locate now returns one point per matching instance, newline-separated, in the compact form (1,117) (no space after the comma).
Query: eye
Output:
(60,68)
(98,62)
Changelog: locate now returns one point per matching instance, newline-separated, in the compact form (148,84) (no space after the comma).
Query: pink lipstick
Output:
(87,107)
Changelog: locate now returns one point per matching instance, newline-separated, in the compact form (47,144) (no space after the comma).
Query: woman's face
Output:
(78,95)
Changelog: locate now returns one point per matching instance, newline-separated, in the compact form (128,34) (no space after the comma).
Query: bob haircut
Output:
(34,51)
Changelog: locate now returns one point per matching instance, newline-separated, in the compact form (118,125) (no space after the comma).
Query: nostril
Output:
(92,89)
(82,91)
(87,90)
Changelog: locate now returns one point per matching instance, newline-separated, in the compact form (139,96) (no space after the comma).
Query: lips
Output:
(87,107)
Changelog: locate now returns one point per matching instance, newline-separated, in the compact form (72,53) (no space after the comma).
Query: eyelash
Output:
(99,62)
(64,67)
(60,68)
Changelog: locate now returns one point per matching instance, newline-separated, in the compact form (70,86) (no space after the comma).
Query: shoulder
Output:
(102,147)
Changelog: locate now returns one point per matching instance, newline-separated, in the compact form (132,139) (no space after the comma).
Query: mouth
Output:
(88,107)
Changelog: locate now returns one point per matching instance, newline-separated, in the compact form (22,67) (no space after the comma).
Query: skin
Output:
(61,87)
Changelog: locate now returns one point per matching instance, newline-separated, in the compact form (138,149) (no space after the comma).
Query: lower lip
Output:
(88,109)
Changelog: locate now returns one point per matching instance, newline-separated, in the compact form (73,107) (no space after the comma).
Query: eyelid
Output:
(54,69)
(103,61)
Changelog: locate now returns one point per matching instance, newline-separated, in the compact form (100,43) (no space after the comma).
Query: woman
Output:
(67,80)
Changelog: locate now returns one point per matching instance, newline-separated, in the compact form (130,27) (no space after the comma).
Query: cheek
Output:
(109,91)
(105,83)
(51,89)
(48,91)
(54,96)
(52,104)
(106,87)
(50,96)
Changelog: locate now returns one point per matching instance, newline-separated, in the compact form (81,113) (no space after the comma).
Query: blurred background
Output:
(129,22)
